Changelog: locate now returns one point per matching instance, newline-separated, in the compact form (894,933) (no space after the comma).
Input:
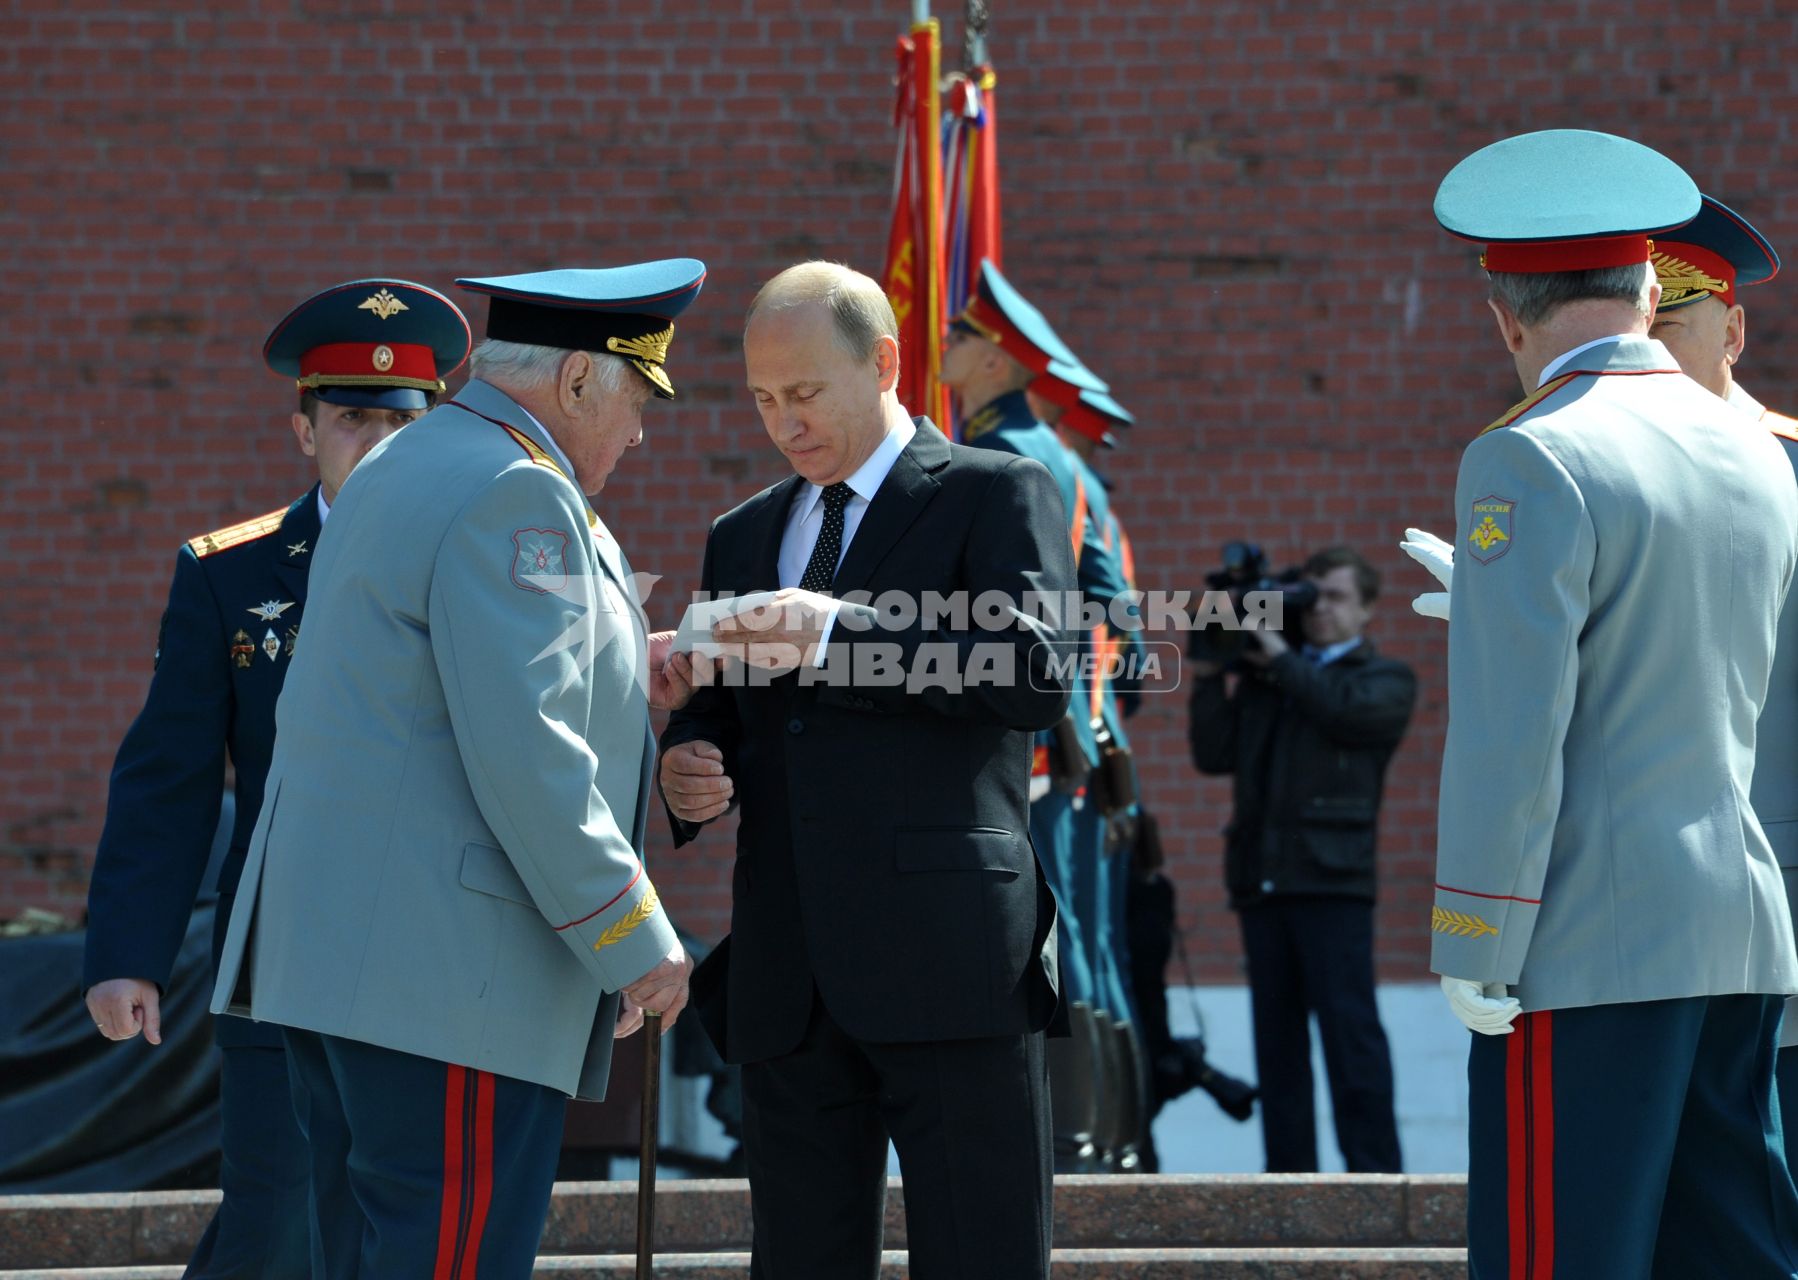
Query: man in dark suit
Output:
(367,357)
(890,969)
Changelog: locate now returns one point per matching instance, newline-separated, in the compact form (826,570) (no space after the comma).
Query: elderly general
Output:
(444,898)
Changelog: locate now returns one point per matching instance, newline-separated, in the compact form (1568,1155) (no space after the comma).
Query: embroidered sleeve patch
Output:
(540,560)
(1460,924)
(1489,528)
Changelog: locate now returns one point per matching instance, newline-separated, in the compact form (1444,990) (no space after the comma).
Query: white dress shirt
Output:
(1329,653)
(1560,362)
(324,508)
(805,520)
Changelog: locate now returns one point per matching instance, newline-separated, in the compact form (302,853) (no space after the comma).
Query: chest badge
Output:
(270,610)
(297,548)
(271,645)
(241,649)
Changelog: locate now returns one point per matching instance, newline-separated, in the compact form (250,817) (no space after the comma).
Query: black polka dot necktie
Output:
(821,569)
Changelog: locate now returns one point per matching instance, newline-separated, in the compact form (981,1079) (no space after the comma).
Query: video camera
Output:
(1246,570)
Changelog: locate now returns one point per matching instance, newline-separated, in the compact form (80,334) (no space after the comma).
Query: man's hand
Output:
(1266,643)
(630,1017)
(694,783)
(782,634)
(1439,558)
(663,989)
(1485,1008)
(670,674)
(121,1007)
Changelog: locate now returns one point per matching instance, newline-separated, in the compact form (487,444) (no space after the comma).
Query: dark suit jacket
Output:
(221,657)
(884,856)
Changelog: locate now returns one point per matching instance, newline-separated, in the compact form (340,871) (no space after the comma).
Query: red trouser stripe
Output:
(450,1215)
(1530,1146)
(1542,1112)
(483,1171)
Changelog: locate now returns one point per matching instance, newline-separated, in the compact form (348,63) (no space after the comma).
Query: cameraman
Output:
(1308,733)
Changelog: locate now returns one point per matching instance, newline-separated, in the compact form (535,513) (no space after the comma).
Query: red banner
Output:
(913,276)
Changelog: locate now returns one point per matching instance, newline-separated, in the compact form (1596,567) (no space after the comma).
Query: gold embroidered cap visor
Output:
(1712,256)
(627,311)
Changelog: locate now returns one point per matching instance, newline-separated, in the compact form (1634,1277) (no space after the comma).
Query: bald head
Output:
(860,314)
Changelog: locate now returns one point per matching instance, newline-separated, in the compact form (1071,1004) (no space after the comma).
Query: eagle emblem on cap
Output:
(383,304)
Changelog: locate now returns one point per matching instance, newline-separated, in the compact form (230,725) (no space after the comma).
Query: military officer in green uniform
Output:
(367,357)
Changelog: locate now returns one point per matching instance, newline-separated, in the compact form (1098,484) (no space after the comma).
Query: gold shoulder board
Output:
(248,531)
(1530,401)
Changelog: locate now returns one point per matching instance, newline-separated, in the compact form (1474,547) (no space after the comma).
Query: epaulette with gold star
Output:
(1780,425)
(237,534)
(1530,401)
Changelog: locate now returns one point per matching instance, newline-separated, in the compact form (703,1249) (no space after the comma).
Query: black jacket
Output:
(1309,747)
(883,854)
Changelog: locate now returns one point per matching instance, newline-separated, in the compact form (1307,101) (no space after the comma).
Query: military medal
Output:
(241,649)
(293,635)
(270,610)
(271,645)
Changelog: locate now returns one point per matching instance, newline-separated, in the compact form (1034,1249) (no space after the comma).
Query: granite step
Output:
(1067,1264)
(1271,1214)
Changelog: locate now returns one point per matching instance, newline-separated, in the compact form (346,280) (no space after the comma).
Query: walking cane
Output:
(646,1173)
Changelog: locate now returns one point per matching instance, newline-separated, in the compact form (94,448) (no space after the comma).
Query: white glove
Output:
(1439,558)
(1482,1008)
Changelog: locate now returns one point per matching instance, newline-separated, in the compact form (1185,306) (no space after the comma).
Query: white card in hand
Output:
(694,635)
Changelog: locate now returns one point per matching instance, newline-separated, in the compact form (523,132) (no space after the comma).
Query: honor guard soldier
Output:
(1701,321)
(995,347)
(368,357)
(1608,914)
(445,892)
(1085,420)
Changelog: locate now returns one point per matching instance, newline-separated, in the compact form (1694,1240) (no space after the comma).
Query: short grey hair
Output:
(524,365)
(860,312)
(1533,296)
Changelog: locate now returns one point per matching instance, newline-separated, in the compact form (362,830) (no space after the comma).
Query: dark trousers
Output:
(970,1120)
(260,1229)
(1786,1077)
(1315,956)
(1630,1142)
(421,1168)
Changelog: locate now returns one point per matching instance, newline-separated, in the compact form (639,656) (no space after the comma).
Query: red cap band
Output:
(1567,255)
(369,363)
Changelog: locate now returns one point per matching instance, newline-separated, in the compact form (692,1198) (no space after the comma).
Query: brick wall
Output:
(1223,204)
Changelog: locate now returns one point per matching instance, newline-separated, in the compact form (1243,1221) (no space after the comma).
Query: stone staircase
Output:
(1159,1227)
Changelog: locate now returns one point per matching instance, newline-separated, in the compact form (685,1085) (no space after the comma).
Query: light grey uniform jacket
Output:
(1624,542)
(448,858)
(1775,790)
